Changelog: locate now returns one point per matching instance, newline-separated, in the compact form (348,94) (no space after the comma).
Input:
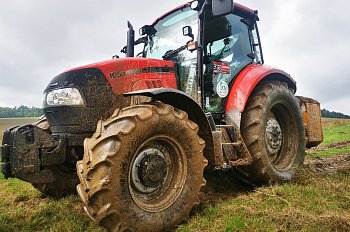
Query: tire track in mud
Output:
(331,163)
(222,185)
(331,145)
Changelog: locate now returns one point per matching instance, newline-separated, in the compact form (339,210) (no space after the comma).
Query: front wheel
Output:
(142,169)
(273,130)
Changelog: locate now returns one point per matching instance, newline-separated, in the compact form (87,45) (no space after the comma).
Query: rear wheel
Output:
(66,178)
(273,130)
(143,169)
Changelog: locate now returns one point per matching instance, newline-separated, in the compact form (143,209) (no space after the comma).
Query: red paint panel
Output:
(125,74)
(244,8)
(245,82)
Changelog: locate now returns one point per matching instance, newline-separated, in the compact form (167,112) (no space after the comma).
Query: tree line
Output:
(20,112)
(25,111)
(328,114)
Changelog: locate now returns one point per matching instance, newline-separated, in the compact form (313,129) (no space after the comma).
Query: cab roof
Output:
(238,9)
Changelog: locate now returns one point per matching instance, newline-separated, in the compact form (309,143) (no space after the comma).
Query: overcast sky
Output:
(310,39)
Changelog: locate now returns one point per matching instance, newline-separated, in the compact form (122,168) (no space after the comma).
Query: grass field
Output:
(23,208)
(334,122)
(10,122)
(335,132)
(314,202)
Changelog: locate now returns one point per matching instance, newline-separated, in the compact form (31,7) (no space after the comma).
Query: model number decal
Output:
(114,75)
(221,67)
(160,71)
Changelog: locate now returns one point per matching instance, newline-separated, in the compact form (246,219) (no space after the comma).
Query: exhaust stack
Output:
(130,41)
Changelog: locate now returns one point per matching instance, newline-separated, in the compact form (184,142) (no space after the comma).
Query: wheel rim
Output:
(273,139)
(157,174)
(280,136)
(149,170)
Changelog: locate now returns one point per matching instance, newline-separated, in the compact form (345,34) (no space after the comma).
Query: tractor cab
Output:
(208,51)
(229,46)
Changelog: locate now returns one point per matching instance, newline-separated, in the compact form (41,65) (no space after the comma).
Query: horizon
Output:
(296,37)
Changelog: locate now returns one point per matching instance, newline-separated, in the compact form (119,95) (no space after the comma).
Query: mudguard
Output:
(245,83)
(181,101)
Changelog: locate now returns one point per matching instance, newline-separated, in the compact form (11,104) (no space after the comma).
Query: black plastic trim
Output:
(100,102)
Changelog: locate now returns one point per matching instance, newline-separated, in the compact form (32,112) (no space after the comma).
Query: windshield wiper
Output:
(137,42)
(169,54)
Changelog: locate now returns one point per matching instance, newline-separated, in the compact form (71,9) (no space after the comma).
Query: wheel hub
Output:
(273,137)
(149,170)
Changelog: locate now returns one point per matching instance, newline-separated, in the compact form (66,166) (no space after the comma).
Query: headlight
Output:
(67,96)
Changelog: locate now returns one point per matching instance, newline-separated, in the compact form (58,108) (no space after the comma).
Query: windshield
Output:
(168,34)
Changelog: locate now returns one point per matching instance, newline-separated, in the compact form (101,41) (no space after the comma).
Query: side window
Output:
(256,45)
(227,45)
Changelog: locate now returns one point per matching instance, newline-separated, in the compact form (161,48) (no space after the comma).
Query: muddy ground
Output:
(329,164)
(223,185)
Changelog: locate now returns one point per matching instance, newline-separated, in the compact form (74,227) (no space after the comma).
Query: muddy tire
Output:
(273,130)
(142,169)
(65,175)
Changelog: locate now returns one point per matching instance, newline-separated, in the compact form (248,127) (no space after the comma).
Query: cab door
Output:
(228,49)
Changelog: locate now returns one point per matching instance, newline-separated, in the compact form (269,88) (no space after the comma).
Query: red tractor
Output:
(134,135)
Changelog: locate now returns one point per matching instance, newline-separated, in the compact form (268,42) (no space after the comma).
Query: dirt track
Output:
(329,164)
(221,186)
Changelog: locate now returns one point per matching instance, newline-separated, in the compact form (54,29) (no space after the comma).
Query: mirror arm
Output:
(201,11)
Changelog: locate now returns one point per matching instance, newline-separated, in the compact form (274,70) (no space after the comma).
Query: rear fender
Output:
(181,101)
(245,83)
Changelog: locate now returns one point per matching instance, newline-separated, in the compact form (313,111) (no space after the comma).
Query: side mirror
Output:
(191,45)
(187,31)
(222,7)
(146,30)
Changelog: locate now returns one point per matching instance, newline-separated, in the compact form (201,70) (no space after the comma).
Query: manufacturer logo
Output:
(222,89)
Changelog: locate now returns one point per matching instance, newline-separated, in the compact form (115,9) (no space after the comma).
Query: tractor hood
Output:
(131,74)
(76,99)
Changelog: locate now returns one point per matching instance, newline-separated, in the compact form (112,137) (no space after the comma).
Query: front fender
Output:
(248,79)
(181,101)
